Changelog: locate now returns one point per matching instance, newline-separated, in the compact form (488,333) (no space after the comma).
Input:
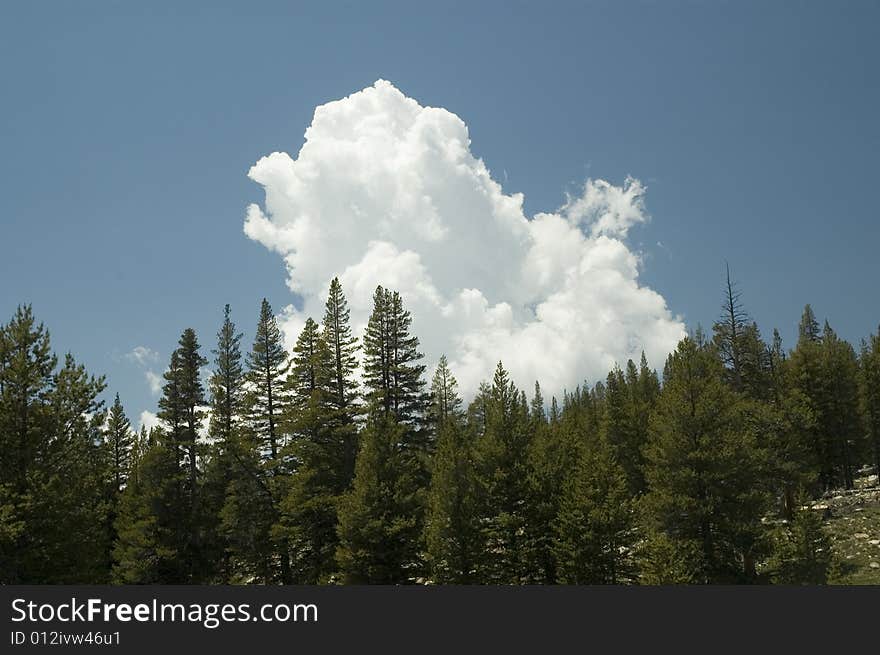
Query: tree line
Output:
(340,462)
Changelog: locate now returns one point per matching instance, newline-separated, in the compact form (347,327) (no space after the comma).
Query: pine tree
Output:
(740,346)
(323,416)
(180,405)
(121,440)
(307,520)
(551,455)
(392,374)
(704,501)
(729,330)
(150,548)
(445,402)
(594,526)
(503,465)
(181,414)
(804,374)
(341,379)
(379,519)
(76,451)
(249,512)
(870,395)
(268,364)
(622,426)
(839,409)
(227,382)
(808,328)
(267,367)
(803,553)
(223,458)
(452,530)
(50,435)
(825,370)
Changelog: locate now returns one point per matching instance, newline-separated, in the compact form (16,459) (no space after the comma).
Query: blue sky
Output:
(128,132)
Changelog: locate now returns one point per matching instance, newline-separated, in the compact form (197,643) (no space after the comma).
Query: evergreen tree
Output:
(121,439)
(728,333)
(249,512)
(452,530)
(268,364)
(50,435)
(503,465)
(870,395)
(76,450)
(552,453)
(804,374)
(223,458)
(825,370)
(803,551)
(180,406)
(740,346)
(163,512)
(150,547)
(267,367)
(341,379)
(594,527)
(393,375)
(622,427)
(839,408)
(702,464)
(379,519)
(227,384)
(808,328)
(307,522)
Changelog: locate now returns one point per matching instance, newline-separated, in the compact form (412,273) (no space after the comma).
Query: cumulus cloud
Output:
(148,420)
(155,381)
(386,191)
(142,355)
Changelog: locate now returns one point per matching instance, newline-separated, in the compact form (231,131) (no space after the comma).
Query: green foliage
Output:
(223,457)
(802,551)
(452,528)
(703,468)
(304,476)
(595,523)
(869,365)
(379,519)
(120,439)
(227,382)
(246,519)
(50,434)
(151,544)
(503,466)
(825,370)
(307,513)
(393,376)
(267,365)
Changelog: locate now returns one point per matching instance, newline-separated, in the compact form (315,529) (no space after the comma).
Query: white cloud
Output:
(385,191)
(155,382)
(142,355)
(148,420)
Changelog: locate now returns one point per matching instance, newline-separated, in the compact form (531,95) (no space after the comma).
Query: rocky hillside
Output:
(852,519)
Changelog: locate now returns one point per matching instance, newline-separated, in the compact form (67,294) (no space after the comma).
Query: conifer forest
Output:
(343,460)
